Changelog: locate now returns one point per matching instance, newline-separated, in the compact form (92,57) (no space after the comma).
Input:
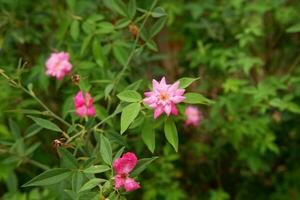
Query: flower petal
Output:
(125,164)
(119,182)
(130,184)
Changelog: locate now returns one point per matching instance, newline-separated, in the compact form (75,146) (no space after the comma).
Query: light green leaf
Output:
(75,29)
(97,169)
(293,29)
(105,27)
(129,96)
(148,134)
(158,12)
(171,133)
(91,184)
(85,44)
(46,124)
(121,54)
(196,98)
(49,177)
(185,82)
(77,180)
(105,150)
(128,115)
(141,166)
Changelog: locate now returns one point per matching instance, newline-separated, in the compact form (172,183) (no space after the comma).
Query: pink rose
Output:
(193,115)
(164,97)
(58,65)
(84,104)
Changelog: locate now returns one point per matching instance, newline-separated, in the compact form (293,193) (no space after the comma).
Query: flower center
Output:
(164,97)
(124,176)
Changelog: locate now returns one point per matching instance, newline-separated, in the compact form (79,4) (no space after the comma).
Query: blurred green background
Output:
(246,53)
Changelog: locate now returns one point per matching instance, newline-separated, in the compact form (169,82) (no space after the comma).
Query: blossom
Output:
(123,166)
(58,65)
(84,104)
(164,97)
(193,115)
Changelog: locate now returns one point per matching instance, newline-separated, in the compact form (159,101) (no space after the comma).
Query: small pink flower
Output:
(123,166)
(193,115)
(164,97)
(84,104)
(58,65)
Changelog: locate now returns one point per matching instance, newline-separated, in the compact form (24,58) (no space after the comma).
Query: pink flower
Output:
(164,97)
(193,115)
(84,104)
(123,166)
(58,65)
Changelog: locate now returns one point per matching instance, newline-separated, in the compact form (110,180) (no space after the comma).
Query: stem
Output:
(37,164)
(31,93)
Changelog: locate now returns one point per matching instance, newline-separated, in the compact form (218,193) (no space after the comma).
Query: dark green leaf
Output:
(14,129)
(105,149)
(49,177)
(74,30)
(67,159)
(131,8)
(157,26)
(141,166)
(91,184)
(148,134)
(97,169)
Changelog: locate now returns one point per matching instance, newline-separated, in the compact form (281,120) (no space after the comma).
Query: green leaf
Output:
(14,129)
(128,115)
(67,159)
(141,166)
(105,150)
(157,26)
(148,134)
(122,23)
(158,12)
(77,180)
(46,124)
(98,54)
(49,177)
(131,8)
(185,82)
(91,184)
(74,30)
(171,133)
(97,169)
(119,153)
(152,45)
(105,27)
(121,54)
(196,98)
(129,96)
(85,43)
(32,130)
(293,29)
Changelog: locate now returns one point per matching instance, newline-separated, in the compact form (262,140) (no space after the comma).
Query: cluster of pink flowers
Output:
(193,115)
(58,65)
(84,104)
(164,97)
(123,166)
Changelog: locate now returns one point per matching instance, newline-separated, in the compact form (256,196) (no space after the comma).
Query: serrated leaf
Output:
(157,26)
(96,169)
(46,124)
(148,134)
(49,177)
(129,96)
(74,30)
(171,133)
(105,150)
(91,184)
(128,115)
(196,98)
(141,166)
(185,82)
(67,159)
